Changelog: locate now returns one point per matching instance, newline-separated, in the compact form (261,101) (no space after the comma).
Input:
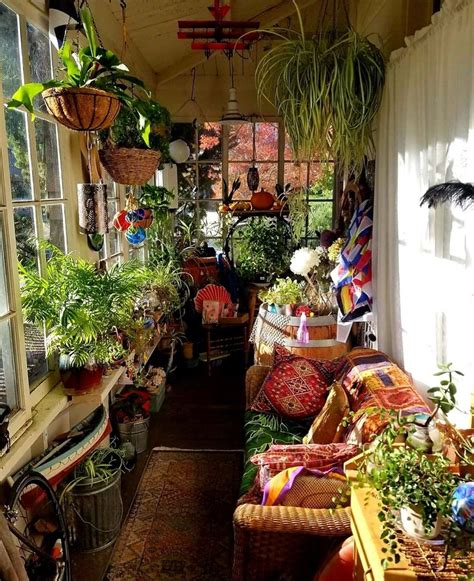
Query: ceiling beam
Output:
(269,17)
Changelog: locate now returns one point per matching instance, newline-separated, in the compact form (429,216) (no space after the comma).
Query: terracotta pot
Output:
(81,379)
(262,200)
(82,108)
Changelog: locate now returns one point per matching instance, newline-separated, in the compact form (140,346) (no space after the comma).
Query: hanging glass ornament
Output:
(135,235)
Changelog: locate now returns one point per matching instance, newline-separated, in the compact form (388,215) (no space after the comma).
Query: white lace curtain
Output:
(423,259)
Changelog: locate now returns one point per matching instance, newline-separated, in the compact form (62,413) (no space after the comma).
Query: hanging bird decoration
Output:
(458,193)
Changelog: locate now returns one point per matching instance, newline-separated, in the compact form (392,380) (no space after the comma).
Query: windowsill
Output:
(45,412)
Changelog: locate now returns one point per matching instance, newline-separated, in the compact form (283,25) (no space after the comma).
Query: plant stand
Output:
(227,338)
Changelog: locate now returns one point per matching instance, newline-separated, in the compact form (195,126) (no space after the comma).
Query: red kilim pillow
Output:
(296,387)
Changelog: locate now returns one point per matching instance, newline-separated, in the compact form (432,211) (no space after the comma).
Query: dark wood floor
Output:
(198,412)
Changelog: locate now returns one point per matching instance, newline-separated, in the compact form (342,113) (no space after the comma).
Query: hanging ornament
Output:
(179,151)
(120,221)
(253,177)
(133,221)
(135,235)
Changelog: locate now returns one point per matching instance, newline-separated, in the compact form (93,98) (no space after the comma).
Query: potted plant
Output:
(327,88)
(283,296)
(130,155)
(80,309)
(131,413)
(92,500)
(260,249)
(94,84)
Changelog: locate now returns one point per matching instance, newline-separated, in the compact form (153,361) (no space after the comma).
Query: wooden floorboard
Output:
(199,413)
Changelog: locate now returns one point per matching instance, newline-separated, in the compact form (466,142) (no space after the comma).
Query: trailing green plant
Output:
(444,394)
(285,291)
(92,66)
(261,248)
(326,88)
(80,307)
(99,466)
(141,123)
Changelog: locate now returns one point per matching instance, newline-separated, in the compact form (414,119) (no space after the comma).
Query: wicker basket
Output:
(129,165)
(82,109)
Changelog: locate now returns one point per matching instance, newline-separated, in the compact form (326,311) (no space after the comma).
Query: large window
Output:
(226,152)
(112,249)
(33,204)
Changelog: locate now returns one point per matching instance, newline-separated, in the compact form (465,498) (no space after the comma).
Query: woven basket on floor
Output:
(129,165)
(82,108)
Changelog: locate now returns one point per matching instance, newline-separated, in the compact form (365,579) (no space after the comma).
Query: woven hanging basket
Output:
(82,108)
(129,165)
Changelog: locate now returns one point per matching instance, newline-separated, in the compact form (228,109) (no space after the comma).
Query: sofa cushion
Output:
(371,380)
(324,428)
(263,430)
(296,387)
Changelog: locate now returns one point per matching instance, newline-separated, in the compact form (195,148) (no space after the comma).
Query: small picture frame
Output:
(210,312)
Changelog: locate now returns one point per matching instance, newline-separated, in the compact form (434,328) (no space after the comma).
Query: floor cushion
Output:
(296,387)
(324,428)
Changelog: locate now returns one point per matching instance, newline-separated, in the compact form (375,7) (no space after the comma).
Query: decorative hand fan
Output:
(211,292)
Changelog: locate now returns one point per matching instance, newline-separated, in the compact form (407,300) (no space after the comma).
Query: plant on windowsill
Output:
(129,156)
(94,84)
(80,308)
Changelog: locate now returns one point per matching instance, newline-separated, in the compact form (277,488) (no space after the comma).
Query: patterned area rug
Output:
(180,523)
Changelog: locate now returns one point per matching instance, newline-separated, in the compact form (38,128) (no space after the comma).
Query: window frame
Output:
(29,395)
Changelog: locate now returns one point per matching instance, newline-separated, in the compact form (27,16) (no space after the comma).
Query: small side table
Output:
(227,337)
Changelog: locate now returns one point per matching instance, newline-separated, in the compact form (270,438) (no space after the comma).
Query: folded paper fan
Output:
(211,292)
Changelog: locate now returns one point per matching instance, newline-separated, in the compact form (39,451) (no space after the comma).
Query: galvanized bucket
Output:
(135,432)
(96,509)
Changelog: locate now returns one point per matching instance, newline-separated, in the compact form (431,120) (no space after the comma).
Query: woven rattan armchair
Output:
(277,543)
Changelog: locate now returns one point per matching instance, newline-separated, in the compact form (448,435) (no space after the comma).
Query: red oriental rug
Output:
(180,523)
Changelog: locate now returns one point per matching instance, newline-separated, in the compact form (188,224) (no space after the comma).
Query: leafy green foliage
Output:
(285,291)
(328,92)
(261,247)
(444,394)
(80,307)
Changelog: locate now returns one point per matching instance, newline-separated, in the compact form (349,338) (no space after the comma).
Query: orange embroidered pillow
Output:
(296,387)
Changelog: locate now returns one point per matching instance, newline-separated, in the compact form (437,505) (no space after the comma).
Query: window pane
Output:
(39,52)
(186,181)
(53,225)
(240,142)
(18,155)
(113,237)
(239,170)
(36,361)
(26,233)
(48,159)
(8,389)
(296,174)
(288,151)
(136,253)
(10,62)
(266,141)
(210,181)
(319,218)
(210,220)
(4,303)
(210,141)
(321,180)
(268,176)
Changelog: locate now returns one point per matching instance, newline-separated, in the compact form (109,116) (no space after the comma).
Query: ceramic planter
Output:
(413,524)
(81,379)
(419,439)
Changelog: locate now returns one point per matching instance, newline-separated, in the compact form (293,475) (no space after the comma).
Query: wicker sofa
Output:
(285,542)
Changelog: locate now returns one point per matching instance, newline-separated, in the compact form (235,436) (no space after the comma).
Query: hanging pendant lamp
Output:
(233,116)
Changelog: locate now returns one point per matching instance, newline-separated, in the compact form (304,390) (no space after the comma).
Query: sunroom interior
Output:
(236,290)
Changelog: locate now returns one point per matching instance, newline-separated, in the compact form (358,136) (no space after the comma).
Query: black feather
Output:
(458,193)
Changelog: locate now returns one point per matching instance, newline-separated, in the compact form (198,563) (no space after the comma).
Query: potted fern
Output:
(80,308)
(94,84)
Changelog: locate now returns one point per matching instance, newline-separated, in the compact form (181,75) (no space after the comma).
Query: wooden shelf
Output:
(242,213)
(99,395)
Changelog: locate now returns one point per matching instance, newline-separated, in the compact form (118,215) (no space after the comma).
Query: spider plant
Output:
(326,89)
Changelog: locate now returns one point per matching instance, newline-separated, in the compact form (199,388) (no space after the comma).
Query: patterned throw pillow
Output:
(324,428)
(296,387)
(321,457)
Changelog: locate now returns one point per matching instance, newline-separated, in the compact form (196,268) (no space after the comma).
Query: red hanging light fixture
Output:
(218,34)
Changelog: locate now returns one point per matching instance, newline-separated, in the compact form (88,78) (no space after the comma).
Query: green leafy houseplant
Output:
(261,249)
(93,67)
(80,307)
(285,291)
(326,88)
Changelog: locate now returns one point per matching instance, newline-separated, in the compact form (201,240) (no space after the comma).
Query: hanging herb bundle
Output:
(327,90)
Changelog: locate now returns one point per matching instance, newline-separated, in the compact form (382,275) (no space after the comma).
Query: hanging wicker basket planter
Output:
(130,165)
(82,108)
